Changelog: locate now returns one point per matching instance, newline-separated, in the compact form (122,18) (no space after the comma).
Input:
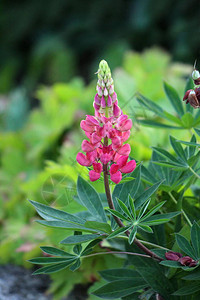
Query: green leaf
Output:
(66,225)
(145,228)
(54,268)
(132,207)
(150,105)
(188,290)
(174,99)
(193,276)
(77,248)
(143,209)
(160,218)
(48,260)
(117,214)
(119,288)
(98,226)
(153,210)
(78,239)
(146,194)
(55,213)
(116,274)
(187,120)
(195,239)
(172,118)
(166,154)
(151,123)
(55,251)
(90,246)
(197,131)
(76,265)
(90,199)
(127,179)
(178,149)
(124,209)
(175,167)
(185,246)
(171,264)
(132,235)
(188,143)
(122,191)
(118,232)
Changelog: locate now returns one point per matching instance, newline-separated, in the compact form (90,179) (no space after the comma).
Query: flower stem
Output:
(197,175)
(118,221)
(116,252)
(183,212)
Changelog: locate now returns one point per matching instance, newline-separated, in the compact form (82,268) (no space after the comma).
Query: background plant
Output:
(143,205)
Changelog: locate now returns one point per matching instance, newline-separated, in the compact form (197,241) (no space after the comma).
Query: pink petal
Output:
(122,161)
(86,127)
(125,135)
(97,99)
(126,125)
(94,176)
(97,167)
(96,107)
(87,147)
(116,143)
(116,110)
(105,158)
(114,97)
(114,168)
(91,121)
(109,101)
(83,160)
(117,177)
(95,138)
(124,150)
(103,102)
(129,167)
(91,156)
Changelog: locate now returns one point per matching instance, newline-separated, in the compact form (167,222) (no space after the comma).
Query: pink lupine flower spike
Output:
(106,131)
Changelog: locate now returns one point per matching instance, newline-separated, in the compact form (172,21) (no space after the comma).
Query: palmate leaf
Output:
(117,214)
(145,228)
(195,239)
(153,210)
(98,226)
(55,251)
(188,289)
(132,207)
(90,247)
(150,105)
(152,123)
(120,288)
(54,268)
(178,149)
(118,232)
(146,194)
(90,199)
(166,155)
(124,208)
(132,234)
(122,273)
(55,214)
(50,260)
(67,225)
(79,239)
(174,99)
(185,246)
(160,218)
(188,143)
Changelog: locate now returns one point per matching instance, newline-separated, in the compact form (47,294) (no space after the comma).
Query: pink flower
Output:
(120,167)
(106,132)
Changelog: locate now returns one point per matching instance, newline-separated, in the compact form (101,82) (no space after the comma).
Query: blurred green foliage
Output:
(50,43)
(38,150)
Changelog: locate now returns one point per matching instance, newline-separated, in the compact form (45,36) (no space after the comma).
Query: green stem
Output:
(183,212)
(118,221)
(197,175)
(146,243)
(117,252)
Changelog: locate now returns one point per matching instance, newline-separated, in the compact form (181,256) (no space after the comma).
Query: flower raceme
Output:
(107,132)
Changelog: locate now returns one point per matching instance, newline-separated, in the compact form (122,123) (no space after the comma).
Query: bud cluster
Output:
(107,131)
(184,260)
(193,96)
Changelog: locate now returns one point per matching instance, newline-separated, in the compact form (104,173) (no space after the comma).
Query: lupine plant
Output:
(149,214)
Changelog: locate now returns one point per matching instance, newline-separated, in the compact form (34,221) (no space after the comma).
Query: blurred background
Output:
(49,54)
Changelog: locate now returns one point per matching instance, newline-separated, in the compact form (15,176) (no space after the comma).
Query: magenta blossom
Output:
(106,132)
(183,260)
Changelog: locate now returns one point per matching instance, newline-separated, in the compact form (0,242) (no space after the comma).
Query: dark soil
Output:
(17,283)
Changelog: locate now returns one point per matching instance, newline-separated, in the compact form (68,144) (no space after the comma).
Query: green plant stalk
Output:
(197,175)
(116,252)
(183,212)
(118,221)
